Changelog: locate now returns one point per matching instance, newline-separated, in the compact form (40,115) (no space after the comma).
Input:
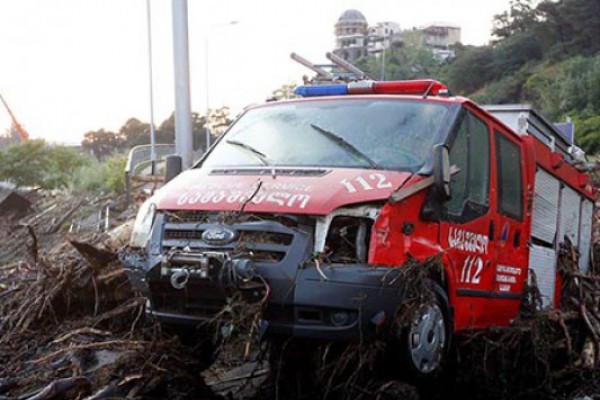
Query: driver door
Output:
(467,220)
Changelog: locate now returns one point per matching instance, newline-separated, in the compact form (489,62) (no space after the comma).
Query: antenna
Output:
(348,67)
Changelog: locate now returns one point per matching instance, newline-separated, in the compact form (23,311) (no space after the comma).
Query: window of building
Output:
(510,184)
(470,152)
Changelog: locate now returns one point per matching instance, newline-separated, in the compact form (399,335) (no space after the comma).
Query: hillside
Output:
(544,52)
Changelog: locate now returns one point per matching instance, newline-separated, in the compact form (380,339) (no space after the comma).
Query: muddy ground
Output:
(71,327)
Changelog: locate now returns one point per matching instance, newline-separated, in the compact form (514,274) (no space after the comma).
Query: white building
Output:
(356,39)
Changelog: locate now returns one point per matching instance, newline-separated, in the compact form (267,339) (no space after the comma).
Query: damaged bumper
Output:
(188,281)
(353,302)
(337,302)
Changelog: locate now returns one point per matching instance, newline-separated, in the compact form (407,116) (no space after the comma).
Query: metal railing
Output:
(141,155)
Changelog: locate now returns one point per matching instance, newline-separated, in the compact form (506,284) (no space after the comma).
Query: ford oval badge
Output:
(218,235)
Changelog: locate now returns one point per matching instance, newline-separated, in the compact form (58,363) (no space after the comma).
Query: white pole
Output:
(206,126)
(183,113)
(152,134)
(383,61)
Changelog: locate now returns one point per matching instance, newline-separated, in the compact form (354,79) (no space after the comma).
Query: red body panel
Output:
(197,189)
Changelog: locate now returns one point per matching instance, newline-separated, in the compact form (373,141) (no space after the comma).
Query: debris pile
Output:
(550,354)
(70,325)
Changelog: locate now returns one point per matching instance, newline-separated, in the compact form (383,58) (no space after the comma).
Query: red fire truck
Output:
(317,202)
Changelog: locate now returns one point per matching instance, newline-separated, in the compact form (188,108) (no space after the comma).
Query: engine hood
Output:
(298,191)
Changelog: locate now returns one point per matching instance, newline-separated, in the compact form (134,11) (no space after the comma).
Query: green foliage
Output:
(519,18)
(587,135)
(97,176)
(33,163)
(404,62)
(571,87)
(513,53)
(471,70)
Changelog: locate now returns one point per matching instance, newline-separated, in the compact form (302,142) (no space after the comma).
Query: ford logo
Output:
(218,235)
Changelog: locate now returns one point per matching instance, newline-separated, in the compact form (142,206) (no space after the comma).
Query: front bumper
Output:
(339,302)
(333,302)
(353,302)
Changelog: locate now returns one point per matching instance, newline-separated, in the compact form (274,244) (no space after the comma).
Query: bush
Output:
(96,176)
(35,164)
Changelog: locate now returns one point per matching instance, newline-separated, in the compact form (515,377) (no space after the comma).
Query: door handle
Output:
(491,232)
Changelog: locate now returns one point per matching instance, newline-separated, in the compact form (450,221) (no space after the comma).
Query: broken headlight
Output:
(143,224)
(343,236)
(348,239)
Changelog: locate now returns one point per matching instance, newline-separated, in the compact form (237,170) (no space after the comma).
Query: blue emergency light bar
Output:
(321,90)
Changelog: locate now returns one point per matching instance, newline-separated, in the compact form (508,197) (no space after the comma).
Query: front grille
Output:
(263,241)
(183,235)
(265,237)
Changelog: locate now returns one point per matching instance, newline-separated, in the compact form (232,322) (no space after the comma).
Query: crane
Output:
(16,126)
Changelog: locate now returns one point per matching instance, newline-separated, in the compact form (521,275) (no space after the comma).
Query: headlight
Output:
(143,223)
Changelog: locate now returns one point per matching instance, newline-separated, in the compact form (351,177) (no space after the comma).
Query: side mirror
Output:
(174,167)
(441,171)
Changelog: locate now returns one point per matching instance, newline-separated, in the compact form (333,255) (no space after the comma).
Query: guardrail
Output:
(139,155)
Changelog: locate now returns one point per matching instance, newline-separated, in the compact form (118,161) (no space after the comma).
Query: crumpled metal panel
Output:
(545,207)
(585,235)
(542,260)
(570,203)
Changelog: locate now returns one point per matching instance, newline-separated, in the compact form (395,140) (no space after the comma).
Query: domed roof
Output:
(352,16)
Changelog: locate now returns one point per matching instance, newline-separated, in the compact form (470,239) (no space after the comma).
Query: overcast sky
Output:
(71,66)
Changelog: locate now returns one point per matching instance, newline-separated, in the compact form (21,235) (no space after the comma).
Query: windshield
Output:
(356,133)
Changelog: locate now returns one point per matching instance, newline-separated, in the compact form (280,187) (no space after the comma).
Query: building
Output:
(354,38)
(382,35)
(440,37)
(351,35)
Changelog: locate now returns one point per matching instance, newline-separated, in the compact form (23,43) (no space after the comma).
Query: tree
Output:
(520,18)
(24,164)
(102,143)
(135,132)
(33,163)
(471,70)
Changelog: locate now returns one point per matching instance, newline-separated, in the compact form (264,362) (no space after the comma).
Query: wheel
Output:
(425,341)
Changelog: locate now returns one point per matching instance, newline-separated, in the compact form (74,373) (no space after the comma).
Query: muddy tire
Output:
(424,342)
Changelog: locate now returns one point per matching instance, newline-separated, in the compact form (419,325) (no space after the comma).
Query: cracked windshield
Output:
(386,134)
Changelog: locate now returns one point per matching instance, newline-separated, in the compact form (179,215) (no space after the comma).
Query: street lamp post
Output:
(206,72)
(183,113)
(152,133)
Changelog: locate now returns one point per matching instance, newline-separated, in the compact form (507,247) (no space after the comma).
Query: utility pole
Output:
(183,113)
(152,133)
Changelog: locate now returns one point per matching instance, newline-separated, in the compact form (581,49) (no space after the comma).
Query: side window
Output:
(470,187)
(510,183)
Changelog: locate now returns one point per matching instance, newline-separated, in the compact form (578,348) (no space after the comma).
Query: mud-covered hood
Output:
(300,191)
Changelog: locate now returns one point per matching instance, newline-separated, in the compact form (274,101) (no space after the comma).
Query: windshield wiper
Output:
(261,156)
(341,142)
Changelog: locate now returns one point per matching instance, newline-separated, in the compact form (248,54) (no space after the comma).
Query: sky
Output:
(71,66)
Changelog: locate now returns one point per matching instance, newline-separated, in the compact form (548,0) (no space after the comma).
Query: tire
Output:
(425,343)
